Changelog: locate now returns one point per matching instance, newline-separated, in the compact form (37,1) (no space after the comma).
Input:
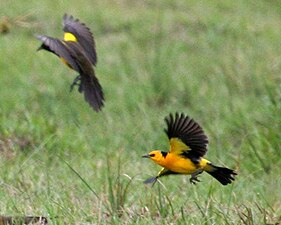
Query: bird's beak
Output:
(146,156)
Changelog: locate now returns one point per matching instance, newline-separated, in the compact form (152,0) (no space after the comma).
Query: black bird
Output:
(77,50)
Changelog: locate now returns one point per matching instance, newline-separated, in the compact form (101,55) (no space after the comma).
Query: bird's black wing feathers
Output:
(89,85)
(83,35)
(57,47)
(189,132)
(73,55)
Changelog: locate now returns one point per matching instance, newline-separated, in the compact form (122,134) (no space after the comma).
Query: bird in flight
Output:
(78,51)
(188,145)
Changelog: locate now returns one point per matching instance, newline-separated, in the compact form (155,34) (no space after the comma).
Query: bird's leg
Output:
(151,180)
(194,176)
(75,82)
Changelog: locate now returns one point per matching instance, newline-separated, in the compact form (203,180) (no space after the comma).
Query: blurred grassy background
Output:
(219,62)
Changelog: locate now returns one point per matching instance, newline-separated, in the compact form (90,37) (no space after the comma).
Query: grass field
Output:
(217,61)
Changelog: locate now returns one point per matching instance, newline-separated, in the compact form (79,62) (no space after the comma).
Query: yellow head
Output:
(157,156)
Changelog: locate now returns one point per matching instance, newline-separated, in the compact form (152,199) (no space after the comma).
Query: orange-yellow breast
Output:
(182,165)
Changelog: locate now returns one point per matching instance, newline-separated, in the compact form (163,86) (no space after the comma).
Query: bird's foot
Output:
(76,81)
(194,179)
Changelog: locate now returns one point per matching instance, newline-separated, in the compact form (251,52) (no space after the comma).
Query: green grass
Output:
(218,62)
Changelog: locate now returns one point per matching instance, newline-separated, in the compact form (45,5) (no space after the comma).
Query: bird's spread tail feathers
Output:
(92,92)
(223,175)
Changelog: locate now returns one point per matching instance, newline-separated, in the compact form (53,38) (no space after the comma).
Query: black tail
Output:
(92,92)
(223,175)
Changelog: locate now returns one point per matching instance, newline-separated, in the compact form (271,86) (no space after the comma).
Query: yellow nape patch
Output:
(69,37)
(176,145)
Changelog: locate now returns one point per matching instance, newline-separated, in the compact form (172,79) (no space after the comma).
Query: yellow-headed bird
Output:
(188,145)
(78,52)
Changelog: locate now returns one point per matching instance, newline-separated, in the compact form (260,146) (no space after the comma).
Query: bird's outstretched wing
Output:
(83,35)
(186,136)
(57,47)
(74,57)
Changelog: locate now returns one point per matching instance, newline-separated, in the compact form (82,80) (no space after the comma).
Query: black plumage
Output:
(80,56)
(189,132)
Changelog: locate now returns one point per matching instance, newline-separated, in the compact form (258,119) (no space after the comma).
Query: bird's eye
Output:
(152,155)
